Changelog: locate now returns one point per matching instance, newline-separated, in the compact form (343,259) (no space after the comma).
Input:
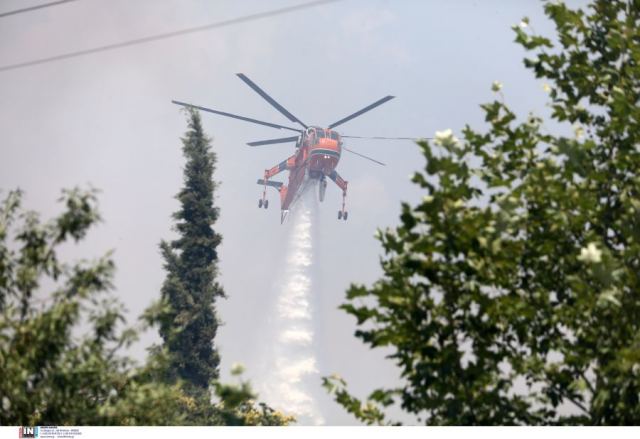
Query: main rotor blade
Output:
(364,110)
(385,138)
(363,156)
(272,141)
(235,116)
(269,99)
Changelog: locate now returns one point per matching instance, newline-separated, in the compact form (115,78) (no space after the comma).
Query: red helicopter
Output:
(316,156)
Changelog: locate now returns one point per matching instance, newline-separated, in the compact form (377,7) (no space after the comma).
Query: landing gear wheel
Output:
(339,214)
(266,204)
(260,203)
(344,215)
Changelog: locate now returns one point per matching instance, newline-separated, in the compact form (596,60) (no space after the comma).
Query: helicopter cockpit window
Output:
(334,135)
(321,134)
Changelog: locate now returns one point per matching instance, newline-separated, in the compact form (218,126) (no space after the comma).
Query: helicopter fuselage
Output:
(317,154)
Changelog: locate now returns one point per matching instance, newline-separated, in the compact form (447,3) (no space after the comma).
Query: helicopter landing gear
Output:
(263,202)
(342,213)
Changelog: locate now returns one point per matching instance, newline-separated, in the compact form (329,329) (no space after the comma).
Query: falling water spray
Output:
(292,363)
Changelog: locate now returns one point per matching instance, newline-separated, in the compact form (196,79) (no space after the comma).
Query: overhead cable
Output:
(163,36)
(33,8)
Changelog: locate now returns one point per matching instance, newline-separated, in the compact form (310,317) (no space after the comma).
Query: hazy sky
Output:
(107,120)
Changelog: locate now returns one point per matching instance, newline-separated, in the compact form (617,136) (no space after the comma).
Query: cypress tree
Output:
(188,324)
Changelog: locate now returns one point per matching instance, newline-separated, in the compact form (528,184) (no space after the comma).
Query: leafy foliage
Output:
(61,352)
(50,375)
(511,292)
(369,412)
(189,323)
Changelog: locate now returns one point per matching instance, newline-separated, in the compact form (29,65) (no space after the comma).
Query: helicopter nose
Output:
(328,142)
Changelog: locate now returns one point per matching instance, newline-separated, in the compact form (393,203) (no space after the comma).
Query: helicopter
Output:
(316,156)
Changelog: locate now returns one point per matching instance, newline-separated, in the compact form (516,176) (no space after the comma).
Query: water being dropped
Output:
(292,364)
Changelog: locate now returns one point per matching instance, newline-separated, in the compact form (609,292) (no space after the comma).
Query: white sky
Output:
(106,120)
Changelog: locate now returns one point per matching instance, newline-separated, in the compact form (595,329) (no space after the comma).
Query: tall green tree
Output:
(511,292)
(189,324)
(63,339)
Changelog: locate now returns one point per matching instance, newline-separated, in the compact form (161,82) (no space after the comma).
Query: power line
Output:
(33,8)
(163,36)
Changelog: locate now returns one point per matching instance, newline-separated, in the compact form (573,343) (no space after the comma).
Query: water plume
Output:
(293,374)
